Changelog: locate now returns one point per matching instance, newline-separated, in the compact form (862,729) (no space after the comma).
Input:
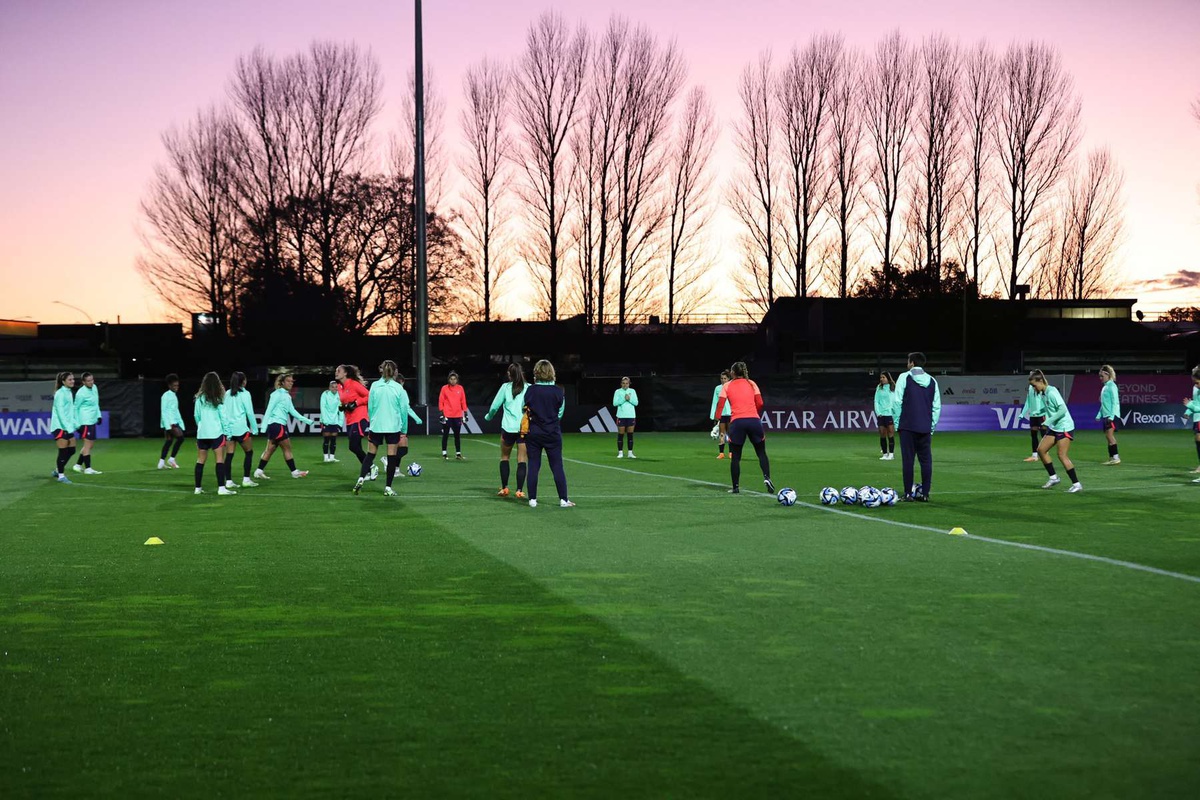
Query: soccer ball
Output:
(888,496)
(715,433)
(786,497)
(829,496)
(850,496)
(414,469)
(869,497)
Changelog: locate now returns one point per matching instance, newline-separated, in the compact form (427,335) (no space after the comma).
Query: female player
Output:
(885,401)
(1192,407)
(279,409)
(719,414)
(511,398)
(402,450)
(1110,411)
(745,403)
(171,423)
(388,407)
(354,396)
(625,401)
(241,427)
(63,424)
(87,414)
(210,431)
(452,403)
(1034,410)
(332,421)
(544,405)
(1059,426)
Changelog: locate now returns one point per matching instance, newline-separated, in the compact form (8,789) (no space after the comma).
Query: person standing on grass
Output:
(544,406)
(1192,408)
(745,406)
(63,424)
(918,408)
(354,396)
(241,426)
(1110,412)
(625,401)
(452,403)
(87,414)
(388,408)
(1034,410)
(171,423)
(885,400)
(1059,427)
(719,414)
(511,398)
(279,410)
(210,431)
(332,421)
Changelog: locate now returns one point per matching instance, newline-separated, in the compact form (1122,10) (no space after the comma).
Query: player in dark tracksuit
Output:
(544,403)
(918,408)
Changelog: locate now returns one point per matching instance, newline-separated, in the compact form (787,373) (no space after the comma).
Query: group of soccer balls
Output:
(867,496)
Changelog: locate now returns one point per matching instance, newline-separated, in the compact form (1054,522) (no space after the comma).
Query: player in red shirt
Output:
(452,403)
(745,406)
(352,395)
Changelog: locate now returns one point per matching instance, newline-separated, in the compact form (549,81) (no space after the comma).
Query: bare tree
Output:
(754,195)
(1088,232)
(549,79)
(484,124)
(404,149)
(888,99)
(803,92)
(980,95)
(690,182)
(939,128)
(845,167)
(1037,132)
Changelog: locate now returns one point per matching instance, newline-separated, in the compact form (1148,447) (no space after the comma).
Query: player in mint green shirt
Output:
(885,403)
(511,399)
(1034,410)
(332,422)
(1192,407)
(1110,412)
(280,410)
(171,422)
(388,409)
(719,413)
(87,413)
(1058,434)
(63,424)
(210,431)
(241,426)
(625,400)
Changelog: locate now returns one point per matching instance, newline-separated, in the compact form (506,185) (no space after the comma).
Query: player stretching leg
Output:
(171,423)
(719,414)
(87,414)
(63,424)
(1059,426)
(511,398)
(279,409)
(746,404)
(1110,412)
(625,401)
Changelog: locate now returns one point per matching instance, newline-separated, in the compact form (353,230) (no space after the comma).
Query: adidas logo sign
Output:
(603,422)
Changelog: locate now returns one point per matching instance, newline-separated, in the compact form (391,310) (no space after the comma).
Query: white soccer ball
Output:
(887,496)
(715,433)
(414,469)
(869,497)
(829,496)
(849,496)
(786,497)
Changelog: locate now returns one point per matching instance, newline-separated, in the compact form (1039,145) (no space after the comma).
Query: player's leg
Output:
(177,432)
(63,443)
(286,446)
(522,468)
(907,455)
(891,438)
(1064,448)
(1035,437)
(201,458)
(392,463)
(456,426)
(620,441)
(1043,452)
(445,435)
(629,435)
(505,451)
(1110,435)
(534,448)
(1196,428)
(924,444)
(883,441)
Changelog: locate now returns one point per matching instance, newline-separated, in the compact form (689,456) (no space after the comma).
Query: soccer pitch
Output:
(663,638)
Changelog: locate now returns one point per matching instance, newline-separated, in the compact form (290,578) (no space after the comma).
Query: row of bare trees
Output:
(919,156)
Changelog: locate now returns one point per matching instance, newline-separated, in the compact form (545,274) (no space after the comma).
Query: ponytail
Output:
(1109,371)
(516,377)
(740,370)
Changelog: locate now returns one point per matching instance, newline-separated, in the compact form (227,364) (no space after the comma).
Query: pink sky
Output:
(86,88)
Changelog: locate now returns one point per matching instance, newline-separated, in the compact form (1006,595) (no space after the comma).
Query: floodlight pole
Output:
(421,321)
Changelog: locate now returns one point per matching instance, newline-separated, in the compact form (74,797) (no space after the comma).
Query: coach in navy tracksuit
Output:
(544,404)
(918,407)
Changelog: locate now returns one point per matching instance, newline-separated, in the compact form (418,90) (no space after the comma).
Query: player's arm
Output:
(712,412)
(937,405)
(758,398)
(497,404)
(633,397)
(898,403)
(413,416)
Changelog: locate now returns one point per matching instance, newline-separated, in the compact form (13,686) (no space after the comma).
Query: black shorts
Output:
(211,444)
(384,438)
(1196,428)
(626,422)
(1060,435)
(58,433)
(1037,422)
(1108,424)
(331,429)
(240,438)
(358,430)
(277,432)
(509,439)
(886,420)
(725,420)
(746,428)
(87,432)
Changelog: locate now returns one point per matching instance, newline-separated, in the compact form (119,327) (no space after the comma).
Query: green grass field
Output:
(661,639)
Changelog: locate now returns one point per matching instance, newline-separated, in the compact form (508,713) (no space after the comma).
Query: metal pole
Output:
(422,299)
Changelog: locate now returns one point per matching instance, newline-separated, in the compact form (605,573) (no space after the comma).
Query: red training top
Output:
(452,401)
(745,399)
(351,389)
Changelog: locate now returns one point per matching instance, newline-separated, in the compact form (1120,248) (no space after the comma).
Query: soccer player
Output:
(87,414)
(452,403)
(332,421)
(544,406)
(1034,410)
(885,401)
(719,413)
(625,401)
(353,394)
(745,406)
(171,423)
(63,424)
(917,410)
(210,431)
(388,407)
(241,426)
(1110,412)
(1059,426)
(511,398)
(1192,407)
(402,450)
(279,409)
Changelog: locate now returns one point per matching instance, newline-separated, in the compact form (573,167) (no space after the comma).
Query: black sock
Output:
(522,468)
(630,434)
(222,475)
(1198,449)
(620,442)
(1049,469)
(721,448)
(229,464)
(325,445)
(457,443)
(262,464)
(248,463)
(1071,474)
(883,444)
(1033,437)
(891,444)
(504,472)
(1112,450)
(393,462)
(368,460)
(291,462)
(332,445)
(175,447)
(61,463)
(199,474)
(166,448)
(82,460)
